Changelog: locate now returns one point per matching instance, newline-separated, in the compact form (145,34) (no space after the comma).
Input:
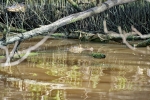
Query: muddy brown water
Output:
(57,74)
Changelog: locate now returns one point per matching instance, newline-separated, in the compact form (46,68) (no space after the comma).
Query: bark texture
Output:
(64,21)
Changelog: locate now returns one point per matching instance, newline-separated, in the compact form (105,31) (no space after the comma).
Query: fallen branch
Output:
(64,21)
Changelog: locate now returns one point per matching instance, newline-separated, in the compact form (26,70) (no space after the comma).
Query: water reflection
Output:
(57,74)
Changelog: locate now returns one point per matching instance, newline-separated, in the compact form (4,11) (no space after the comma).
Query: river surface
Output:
(55,73)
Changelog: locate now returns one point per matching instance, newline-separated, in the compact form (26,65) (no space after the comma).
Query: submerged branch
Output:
(143,43)
(106,37)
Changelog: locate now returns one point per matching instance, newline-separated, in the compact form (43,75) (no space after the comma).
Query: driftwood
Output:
(101,37)
(64,21)
(114,36)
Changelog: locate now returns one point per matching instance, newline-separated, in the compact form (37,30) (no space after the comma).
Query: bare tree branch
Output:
(52,28)
(64,21)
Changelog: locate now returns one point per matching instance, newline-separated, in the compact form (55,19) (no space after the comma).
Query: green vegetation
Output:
(98,55)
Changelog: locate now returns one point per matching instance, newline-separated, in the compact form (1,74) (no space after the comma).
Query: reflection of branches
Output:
(6,51)
(124,36)
(27,52)
(122,33)
(121,83)
(148,72)
(86,94)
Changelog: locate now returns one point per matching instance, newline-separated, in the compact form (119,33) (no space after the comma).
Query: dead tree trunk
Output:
(64,21)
